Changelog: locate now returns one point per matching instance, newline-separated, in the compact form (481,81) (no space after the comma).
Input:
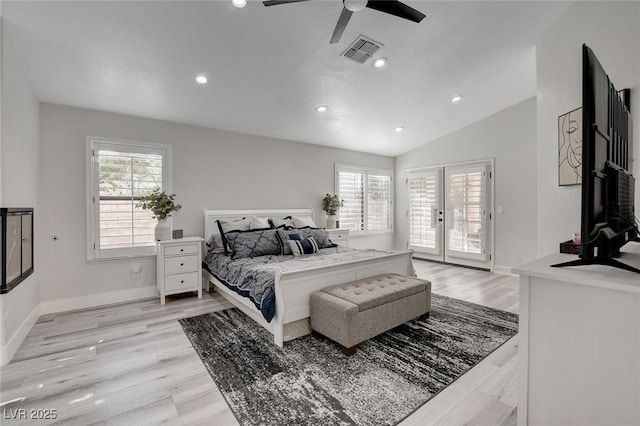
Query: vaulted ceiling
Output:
(269,67)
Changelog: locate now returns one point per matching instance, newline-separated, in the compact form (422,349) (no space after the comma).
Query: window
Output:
(119,173)
(367,196)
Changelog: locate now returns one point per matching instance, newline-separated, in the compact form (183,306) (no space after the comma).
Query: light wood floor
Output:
(131,364)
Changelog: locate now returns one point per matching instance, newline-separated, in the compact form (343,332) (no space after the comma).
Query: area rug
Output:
(310,381)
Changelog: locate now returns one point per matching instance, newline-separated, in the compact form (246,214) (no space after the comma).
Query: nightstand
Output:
(179,266)
(339,236)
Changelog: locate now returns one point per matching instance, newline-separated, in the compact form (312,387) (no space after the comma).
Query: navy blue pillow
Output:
(303,246)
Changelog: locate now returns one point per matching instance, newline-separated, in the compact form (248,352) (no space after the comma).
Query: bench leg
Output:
(349,351)
(425,316)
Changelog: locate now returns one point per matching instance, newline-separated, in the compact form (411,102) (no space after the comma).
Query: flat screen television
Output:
(608,212)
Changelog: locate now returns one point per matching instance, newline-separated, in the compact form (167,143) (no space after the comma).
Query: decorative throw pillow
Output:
(319,235)
(284,236)
(219,243)
(304,246)
(303,221)
(252,243)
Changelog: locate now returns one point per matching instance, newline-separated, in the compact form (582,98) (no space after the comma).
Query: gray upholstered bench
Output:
(354,312)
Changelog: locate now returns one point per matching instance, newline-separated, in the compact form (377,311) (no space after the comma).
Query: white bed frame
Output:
(293,289)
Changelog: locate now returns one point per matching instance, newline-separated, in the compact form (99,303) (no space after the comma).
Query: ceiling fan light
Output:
(355,5)
(239,3)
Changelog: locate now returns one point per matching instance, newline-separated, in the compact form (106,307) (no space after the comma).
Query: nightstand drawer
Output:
(182,281)
(175,265)
(181,249)
(338,236)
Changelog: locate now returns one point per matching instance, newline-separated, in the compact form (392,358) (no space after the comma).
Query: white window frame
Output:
(92,194)
(368,171)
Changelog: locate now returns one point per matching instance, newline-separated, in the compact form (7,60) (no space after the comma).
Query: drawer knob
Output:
(181,249)
(182,264)
(181,281)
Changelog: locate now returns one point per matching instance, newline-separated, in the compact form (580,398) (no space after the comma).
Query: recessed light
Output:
(201,79)
(456,99)
(239,3)
(399,129)
(322,108)
(380,62)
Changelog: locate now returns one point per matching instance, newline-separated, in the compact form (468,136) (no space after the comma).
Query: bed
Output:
(294,279)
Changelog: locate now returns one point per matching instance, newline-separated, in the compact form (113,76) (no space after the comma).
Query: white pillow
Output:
(259,223)
(303,221)
(277,223)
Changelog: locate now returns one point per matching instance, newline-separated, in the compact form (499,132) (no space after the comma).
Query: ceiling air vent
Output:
(362,49)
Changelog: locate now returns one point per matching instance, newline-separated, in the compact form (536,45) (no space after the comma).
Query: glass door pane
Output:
(425,211)
(466,229)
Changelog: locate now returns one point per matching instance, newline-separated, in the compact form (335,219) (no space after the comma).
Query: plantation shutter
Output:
(423,210)
(122,174)
(351,190)
(379,202)
(367,195)
(466,211)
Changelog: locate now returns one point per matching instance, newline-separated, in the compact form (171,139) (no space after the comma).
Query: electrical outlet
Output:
(136,270)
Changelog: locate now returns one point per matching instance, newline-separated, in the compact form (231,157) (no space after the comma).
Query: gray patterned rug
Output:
(310,381)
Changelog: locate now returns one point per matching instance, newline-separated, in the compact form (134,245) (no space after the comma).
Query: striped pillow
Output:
(304,246)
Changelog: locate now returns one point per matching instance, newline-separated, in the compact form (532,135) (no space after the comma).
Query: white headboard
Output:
(210,216)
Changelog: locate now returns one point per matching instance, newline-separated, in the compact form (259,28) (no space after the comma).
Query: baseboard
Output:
(7,351)
(503,270)
(95,300)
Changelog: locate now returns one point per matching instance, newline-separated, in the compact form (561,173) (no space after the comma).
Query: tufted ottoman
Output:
(354,312)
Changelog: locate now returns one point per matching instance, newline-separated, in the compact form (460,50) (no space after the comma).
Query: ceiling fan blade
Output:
(396,8)
(343,20)
(277,2)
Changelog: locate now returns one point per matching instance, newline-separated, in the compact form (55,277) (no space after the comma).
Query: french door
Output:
(449,214)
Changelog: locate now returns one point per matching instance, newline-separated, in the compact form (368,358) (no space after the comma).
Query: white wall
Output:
(509,137)
(19,179)
(211,169)
(611,29)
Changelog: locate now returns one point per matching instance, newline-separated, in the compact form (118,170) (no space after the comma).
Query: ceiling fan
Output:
(392,7)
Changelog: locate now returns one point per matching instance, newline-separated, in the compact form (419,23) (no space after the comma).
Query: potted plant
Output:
(330,205)
(161,205)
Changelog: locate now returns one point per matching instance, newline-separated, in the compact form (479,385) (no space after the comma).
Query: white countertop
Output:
(590,275)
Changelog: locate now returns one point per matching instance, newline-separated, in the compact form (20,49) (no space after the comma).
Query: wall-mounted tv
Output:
(608,212)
